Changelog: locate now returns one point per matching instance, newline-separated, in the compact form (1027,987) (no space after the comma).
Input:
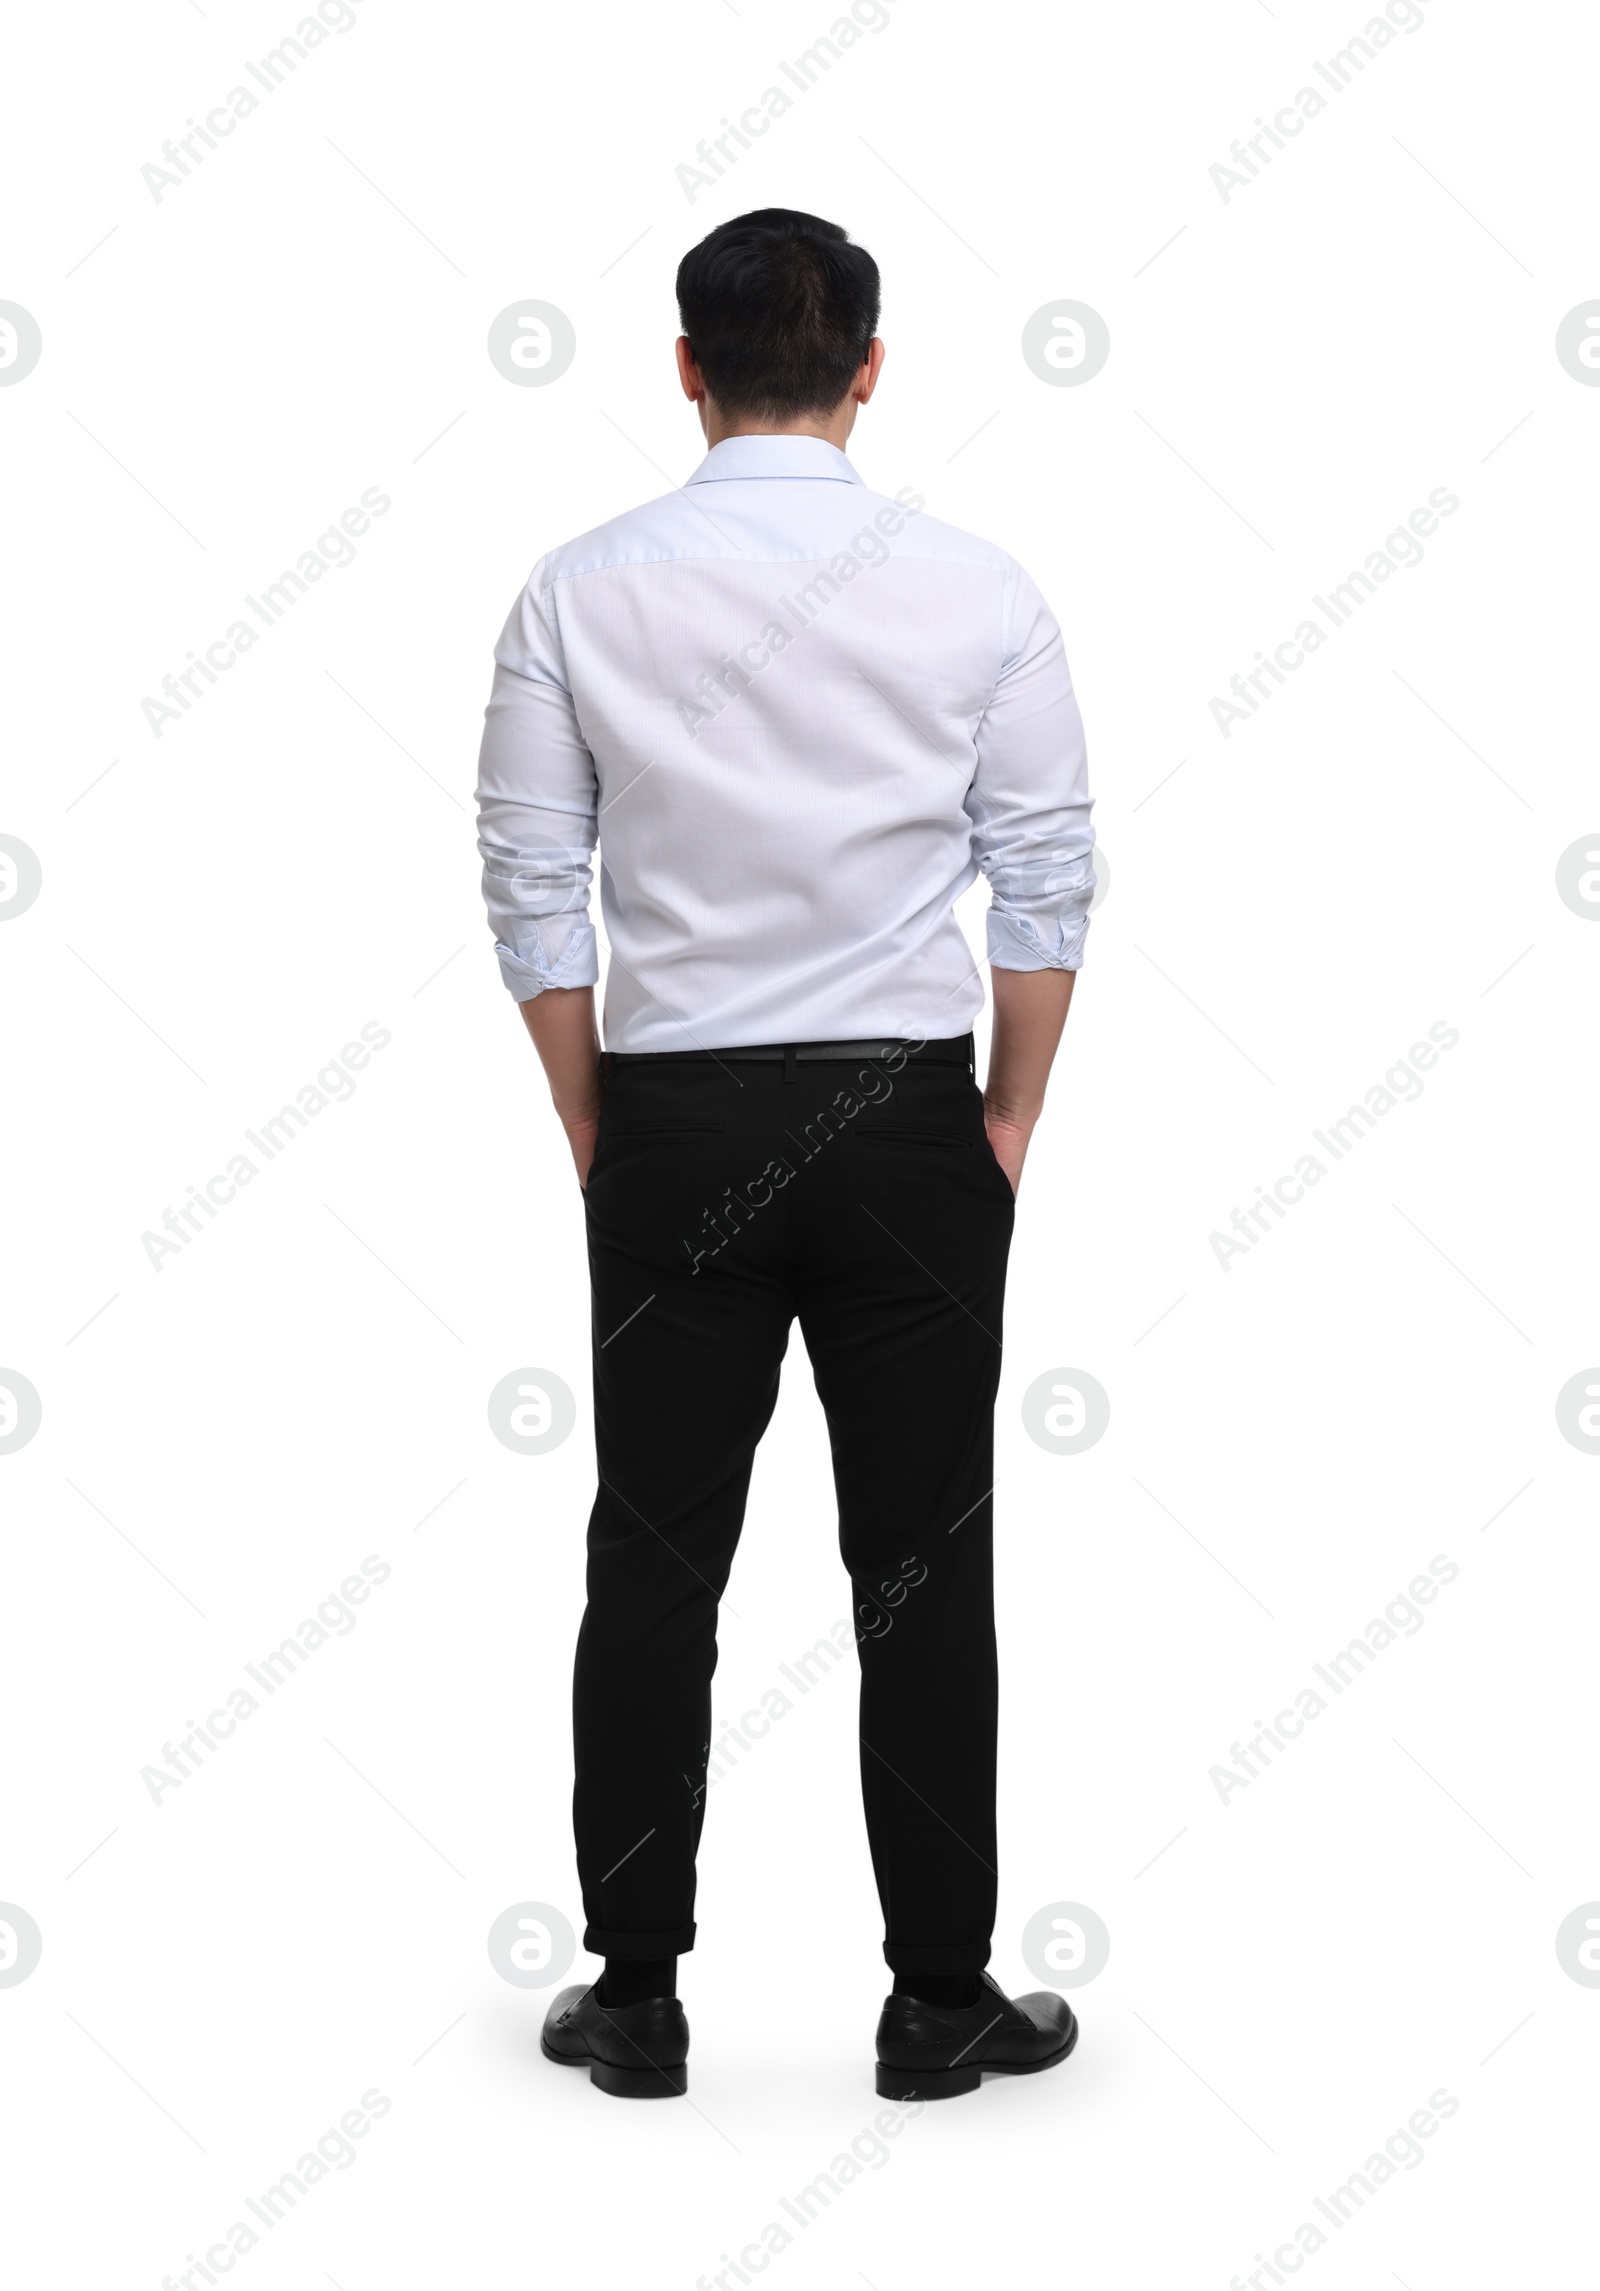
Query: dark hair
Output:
(779,309)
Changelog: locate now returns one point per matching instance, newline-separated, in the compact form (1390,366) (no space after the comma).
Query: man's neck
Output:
(834,431)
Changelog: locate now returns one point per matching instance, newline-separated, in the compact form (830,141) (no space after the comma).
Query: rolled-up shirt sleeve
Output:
(1029,801)
(537,807)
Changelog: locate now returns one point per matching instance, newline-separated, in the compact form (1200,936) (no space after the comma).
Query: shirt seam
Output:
(643,564)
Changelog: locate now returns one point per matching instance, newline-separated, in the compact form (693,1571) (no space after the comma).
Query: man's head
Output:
(779,315)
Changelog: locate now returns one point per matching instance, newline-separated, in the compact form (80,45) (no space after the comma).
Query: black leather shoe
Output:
(638,2052)
(932,2052)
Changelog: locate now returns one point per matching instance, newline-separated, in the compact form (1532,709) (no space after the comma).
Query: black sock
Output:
(952,1989)
(630,1980)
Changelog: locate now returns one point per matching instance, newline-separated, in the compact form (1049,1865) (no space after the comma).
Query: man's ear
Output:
(871,368)
(689,373)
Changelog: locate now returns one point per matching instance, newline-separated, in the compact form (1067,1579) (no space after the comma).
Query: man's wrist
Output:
(1009,1115)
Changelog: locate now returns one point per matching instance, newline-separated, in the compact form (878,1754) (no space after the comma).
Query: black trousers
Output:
(730,1196)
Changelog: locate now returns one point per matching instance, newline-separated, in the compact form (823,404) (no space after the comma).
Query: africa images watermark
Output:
(1402,2151)
(1402,1083)
(335,2151)
(867,2152)
(1401,1618)
(1401,549)
(803,74)
(721,1754)
(184,153)
(867,549)
(875,1087)
(334,1081)
(334,1617)
(335,549)
(1342,69)
(874,1619)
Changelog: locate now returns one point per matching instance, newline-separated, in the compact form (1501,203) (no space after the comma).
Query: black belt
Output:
(954,1051)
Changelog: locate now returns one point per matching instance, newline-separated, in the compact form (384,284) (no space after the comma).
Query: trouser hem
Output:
(600,1941)
(936,1957)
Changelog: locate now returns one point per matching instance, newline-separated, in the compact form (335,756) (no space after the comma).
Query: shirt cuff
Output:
(1016,942)
(577,964)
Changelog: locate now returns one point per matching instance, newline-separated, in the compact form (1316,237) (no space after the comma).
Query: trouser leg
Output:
(902,1320)
(685,1377)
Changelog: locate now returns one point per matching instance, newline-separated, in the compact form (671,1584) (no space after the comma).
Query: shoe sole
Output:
(947,2083)
(625,2083)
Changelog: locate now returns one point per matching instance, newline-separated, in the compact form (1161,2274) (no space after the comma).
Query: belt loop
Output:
(789,1062)
(605,1068)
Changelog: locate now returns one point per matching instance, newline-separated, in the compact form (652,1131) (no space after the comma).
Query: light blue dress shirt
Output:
(798,718)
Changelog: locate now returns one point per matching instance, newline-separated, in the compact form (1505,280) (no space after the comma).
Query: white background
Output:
(1291,1439)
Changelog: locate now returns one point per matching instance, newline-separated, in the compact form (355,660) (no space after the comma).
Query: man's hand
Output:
(561,1021)
(1030,1009)
(581,1137)
(1010,1143)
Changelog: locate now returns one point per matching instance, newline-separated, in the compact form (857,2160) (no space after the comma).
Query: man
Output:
(798,718)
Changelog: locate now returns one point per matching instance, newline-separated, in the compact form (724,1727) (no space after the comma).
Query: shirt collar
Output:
(774,456)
